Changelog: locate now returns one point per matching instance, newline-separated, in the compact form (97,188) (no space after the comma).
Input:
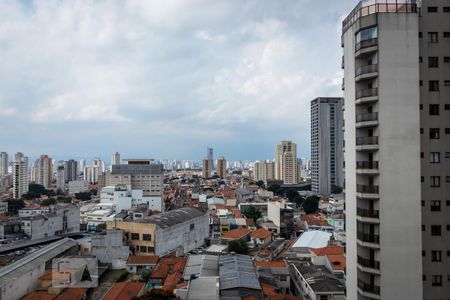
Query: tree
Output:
(94,192)
(83,196)
(291,194)
(36,190)
(335,189)
(298,200)
(238,246)
(14,205)
(157,294)
(311,204)
(48,202)
(274,187)
(252,213)
(260,183)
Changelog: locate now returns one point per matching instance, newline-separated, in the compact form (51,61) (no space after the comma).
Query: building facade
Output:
(206,168)
(43,171)
(286,162)
(115,159)
(326,144)
(263,170)
(222,167)
(20,176)
(3,163)
(396,81)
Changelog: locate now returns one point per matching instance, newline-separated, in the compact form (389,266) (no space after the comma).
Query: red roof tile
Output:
(143,259)
(271,264)
(329,250)
(169,265)
(124,291)
(261,233)
(235,234)
(337,261)
(72,294)
(39,295)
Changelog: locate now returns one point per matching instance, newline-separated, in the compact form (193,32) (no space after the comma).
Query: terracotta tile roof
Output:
(169,265)
(316,220)
(337,261)
(261,233)
(235,234)
(329,250)
(270,293)
(124,291)
(72,294)
(271,264)
(143,259)
(39,295)
(250,222)
(237,213)
(53,274)
(171,281)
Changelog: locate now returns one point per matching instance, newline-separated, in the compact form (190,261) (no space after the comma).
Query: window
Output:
(423,227)
(436,280)
(423,253)
(446,59)
(424,277)
(436,230)
(135,236)
(421,154)
(433,62)
(448,227)
(447,34)
(447,154)
(447,83)
(446,9)
(435,181)
(447,179)
(432,37)
(436,255)
(143,249)
(191,227)
(421,106)
(365,36)
(420,82)
(422,179)
(435,205)
(420,34)
(147,237)
(420,59)
(435,157)
(151,249)
(434,133)
(433,85)
(434,109)
(422,202)
(432,9)
(421,130)
(447,130)
(447,202)
(447,106)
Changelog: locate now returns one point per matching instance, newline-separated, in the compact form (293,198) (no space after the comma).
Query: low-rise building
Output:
(242,234)
(139,264)
(108,247)
(261,237)
(78,186)
(179,231)
(125,291)
(281,213)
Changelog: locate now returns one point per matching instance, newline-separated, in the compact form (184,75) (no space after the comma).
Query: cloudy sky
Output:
(165,79)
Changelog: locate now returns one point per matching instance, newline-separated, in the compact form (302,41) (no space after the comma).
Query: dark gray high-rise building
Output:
(3,163)
(326,144)
(71,170)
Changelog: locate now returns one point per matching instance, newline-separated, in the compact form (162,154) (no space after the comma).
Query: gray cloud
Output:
(164,78)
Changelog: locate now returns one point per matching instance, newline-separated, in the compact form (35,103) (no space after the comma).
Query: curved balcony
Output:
(367,191)
(368,290)
(368,240)
(367,120)
(367,167)
(368,265)
(365,143)
(367,215)
(366,72)
(366,95)
(366,47)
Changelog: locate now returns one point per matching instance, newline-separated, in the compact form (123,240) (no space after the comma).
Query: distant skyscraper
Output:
(81,165)
(221,167)
(20,176)
(43,171)
(60,177)
(72,170)
(206,168)
(326,144)
(210,156)
(3,163)
(286,162)
(263,170)
(115,159)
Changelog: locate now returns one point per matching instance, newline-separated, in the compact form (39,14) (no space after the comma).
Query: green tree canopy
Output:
(48,202)
(291,194)
(14,205)
(335,189)
(238,246)
(83,196)
(274,188)
(311,204)
(260,183)
(252,213)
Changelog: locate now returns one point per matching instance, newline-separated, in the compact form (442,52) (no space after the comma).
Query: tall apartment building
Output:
(43,171)
(3,163)
(115,159)
(92,171)
(326,144)
(222,167)
(72,170)
(263,170)
(60,177)
(286,162)
(20,176)
(397,149)
(206,168)
(210,155)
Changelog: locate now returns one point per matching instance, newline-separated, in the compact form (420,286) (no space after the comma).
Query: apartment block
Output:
(222,167)
(20,176)
(397,121)
(286,162)
(326,144)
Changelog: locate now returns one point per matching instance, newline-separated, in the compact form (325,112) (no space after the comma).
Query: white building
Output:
(124,198)
(20,176)
(78,186)
(286,162)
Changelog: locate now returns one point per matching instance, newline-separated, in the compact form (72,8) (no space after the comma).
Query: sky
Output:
(165,79)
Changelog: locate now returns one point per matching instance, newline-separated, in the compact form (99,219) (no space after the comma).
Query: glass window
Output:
(435,157)
(446,59)
(447,34)
(433,86)
(433,62)
(367,34)
(436,255)
(434,133)
(435,181)
(432,37)
(436,230)
(135,236)
(446,9)
(434,109)
(432,9)
(435,205)
(147,237)
(436,280)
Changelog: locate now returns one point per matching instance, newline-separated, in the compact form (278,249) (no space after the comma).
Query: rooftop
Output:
(313,239)
(143,260)
(329,250)
(201,266)
(124,290)
(271,264)
(236,234)
(261,233)
(337,262)
(173,217)
(169,265)
(320,279)
(237,271)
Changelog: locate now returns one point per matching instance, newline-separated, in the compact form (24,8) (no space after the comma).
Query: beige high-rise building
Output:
(286,162)
(263,170)
(222,167)
(20,176)
(206,168)
(43,171)
(397,121)
(115,159)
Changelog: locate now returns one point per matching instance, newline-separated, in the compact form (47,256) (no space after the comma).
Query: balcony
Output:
(365,143)
(366,47)
(367,215)
(366,72)
(368,290)
(368,240)
(367,120)
(368,265)
(367,191)
(342,63)
(343,84)
(367,167)
(366,96)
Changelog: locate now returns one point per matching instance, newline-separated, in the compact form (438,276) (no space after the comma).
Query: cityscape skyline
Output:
(118,87)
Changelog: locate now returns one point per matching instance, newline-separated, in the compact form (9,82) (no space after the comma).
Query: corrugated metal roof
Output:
(202,265)
(237,271)
(173,217)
